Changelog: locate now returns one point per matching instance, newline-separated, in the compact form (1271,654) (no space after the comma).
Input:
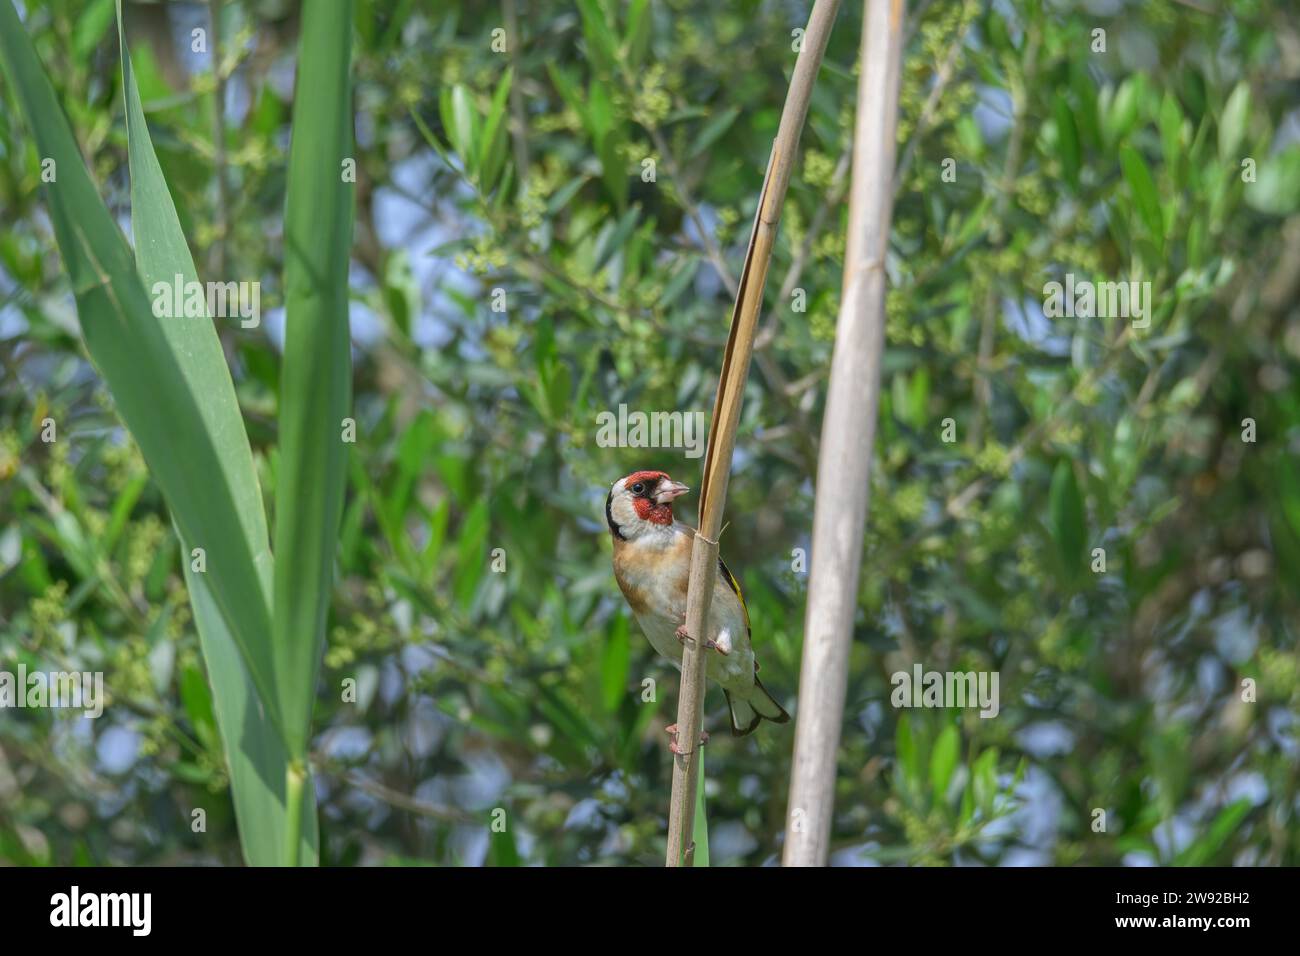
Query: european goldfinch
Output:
(652,561)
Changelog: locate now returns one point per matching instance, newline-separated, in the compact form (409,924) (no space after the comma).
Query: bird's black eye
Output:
(638,488)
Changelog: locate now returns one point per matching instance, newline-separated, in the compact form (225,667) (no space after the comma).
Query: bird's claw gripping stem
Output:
(671,731)
(684,637)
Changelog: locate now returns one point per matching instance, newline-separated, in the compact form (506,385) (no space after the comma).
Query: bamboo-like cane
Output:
(722,429)
(848,435)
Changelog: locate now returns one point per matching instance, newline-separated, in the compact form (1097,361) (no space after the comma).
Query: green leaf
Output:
(1123,109)
(943,761)
(470,563)
(92,24)
(1204,851)
(256,757)
(918,397)
(1067,518)
(613,175)
(984,779)
(316,378)
(1276,190)
(146,366)
(1171,137)
(401,291)
(711,131)
(1144,192)
(598,115)
(564,195)
(969,136)
(1232,123)
(501,847)
(492,148)
(196,698)
(602,45)
(255,753)
(567,86)
(1067,140)
(974,223)
(437,535)
(966,812)
(615,661)
(464,127)
(616,239)
(638,31)
(1085,97)
(700,830)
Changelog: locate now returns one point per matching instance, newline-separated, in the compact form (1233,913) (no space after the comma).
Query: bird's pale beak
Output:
(668,490)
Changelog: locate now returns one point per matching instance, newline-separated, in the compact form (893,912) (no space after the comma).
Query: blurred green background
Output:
(512,680)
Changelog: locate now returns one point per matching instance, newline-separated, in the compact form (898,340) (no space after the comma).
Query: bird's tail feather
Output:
(748,712)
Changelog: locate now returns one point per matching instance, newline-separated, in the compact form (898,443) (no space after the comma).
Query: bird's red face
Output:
(641,500)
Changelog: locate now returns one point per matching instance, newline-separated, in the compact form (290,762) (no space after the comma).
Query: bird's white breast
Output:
(733,671)
(655,568)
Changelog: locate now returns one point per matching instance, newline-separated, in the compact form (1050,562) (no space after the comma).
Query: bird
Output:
(652,562)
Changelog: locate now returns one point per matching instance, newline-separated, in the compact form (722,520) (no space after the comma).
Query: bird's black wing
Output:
(735,587)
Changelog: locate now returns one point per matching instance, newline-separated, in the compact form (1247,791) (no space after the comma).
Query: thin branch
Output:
(722,429)
(394,798)
(848,435)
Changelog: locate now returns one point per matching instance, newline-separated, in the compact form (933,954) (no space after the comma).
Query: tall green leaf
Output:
(255,754)
(141,361)
(316,380)
(700,835)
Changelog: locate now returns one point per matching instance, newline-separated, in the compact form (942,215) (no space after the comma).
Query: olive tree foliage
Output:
(1098,505)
